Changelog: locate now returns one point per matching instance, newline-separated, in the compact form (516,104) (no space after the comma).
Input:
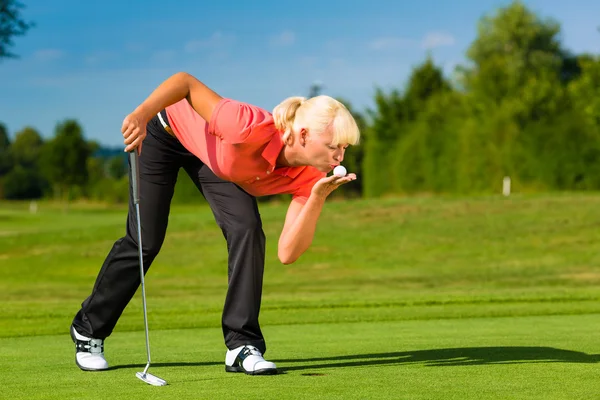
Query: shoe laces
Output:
(249,351)
(93,346)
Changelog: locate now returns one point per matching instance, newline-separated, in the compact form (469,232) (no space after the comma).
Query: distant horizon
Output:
(97,70)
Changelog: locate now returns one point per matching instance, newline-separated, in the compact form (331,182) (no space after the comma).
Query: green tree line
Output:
(522,106)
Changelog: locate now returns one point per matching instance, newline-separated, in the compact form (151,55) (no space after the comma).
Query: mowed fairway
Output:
(400,298)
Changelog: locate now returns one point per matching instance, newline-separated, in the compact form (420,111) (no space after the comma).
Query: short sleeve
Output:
(235,121)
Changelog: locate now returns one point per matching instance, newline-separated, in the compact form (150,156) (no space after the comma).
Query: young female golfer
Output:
(234,152)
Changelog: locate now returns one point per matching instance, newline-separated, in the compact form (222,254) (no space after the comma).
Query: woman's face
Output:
(320,152)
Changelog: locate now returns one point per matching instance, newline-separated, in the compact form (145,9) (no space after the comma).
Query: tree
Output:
(26,148)
(585,90)
(516,61)
(117,167)
(426,157)
(65,159)
(387,122)
(515,87)
(23,179)
(394,122)
(516,33)
(11,25)
(584,96)
(93,147)
(5,156)
(353,158)
(4,139)
(23,184)
(426,81)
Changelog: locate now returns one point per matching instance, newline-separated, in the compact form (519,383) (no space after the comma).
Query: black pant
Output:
(236,213)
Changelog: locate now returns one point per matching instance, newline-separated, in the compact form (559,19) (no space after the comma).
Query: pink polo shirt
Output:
(241,145)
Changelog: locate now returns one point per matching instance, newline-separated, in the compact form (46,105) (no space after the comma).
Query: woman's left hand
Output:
(328,184)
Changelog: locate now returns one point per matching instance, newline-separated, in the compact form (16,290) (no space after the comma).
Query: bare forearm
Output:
(176,88)
(172,90)
(298,238)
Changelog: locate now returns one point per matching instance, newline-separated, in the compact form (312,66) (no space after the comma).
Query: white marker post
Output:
(506,186)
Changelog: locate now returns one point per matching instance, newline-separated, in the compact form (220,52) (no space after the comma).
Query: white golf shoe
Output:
(250,360)
(89,352)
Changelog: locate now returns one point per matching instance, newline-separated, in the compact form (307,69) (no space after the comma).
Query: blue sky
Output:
(95,61)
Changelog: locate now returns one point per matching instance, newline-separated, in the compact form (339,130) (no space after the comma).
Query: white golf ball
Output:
(340,171)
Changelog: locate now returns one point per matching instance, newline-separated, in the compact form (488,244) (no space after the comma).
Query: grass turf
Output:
(462,298)
(546,357)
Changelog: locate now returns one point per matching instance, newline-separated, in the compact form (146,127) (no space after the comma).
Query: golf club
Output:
(135,182)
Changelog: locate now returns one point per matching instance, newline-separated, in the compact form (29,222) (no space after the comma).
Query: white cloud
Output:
(285,38)
(437,39)
(216,40)
(430,41)
(99,57)
(48,54)
(390,43)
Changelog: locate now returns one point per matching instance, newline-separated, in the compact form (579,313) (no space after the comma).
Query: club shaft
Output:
(135,181)
(137,209)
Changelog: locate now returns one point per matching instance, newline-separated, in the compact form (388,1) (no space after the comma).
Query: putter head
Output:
(151,379)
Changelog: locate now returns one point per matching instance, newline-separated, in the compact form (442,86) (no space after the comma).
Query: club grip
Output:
(134,164)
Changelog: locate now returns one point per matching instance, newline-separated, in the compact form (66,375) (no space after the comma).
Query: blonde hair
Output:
(316,114)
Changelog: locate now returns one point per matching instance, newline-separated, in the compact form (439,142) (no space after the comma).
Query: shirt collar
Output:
(271,152)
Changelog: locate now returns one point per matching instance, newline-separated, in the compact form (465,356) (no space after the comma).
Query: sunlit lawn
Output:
(417,298)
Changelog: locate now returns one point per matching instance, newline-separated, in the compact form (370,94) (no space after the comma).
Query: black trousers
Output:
(236,213)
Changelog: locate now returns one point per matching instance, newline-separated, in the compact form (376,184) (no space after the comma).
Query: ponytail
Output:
(285,113)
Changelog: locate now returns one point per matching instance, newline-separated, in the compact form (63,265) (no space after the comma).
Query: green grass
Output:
(416,298)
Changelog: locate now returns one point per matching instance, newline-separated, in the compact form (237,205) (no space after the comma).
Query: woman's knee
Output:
(248,224)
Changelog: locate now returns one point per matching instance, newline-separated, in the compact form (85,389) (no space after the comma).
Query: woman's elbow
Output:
(286,258)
